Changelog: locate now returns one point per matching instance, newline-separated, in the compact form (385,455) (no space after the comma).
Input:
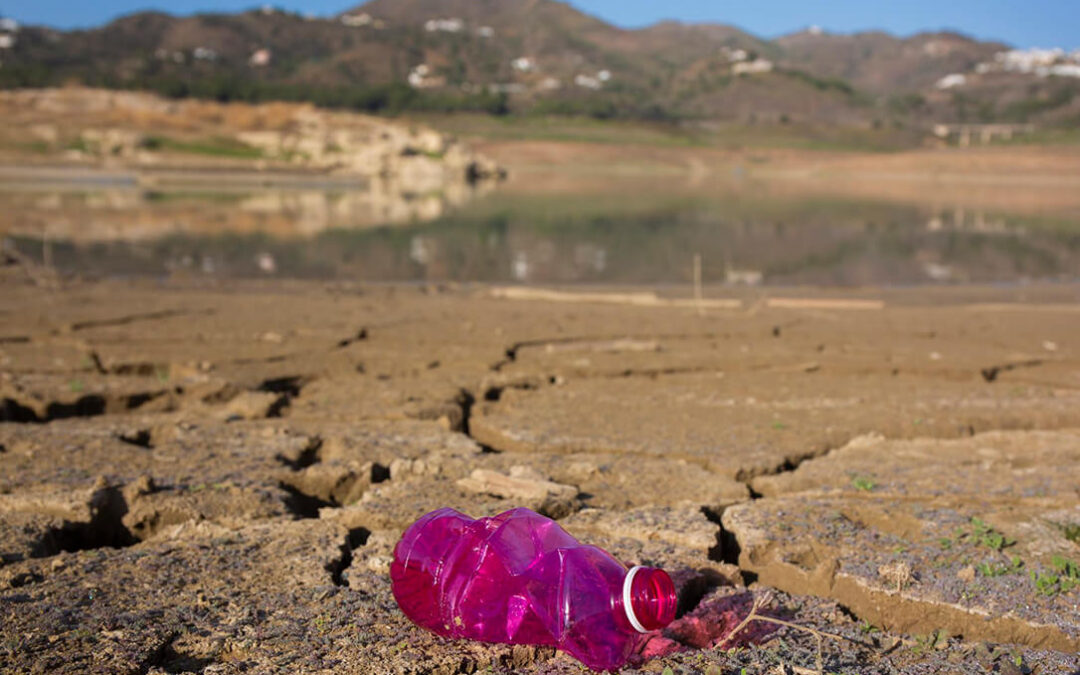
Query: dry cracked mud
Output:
(212,479)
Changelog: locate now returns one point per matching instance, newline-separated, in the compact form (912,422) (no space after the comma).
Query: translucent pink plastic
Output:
(519,578)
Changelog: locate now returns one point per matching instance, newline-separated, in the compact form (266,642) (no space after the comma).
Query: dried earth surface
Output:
(211,478)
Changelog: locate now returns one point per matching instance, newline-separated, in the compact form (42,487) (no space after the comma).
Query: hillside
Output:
(543,56)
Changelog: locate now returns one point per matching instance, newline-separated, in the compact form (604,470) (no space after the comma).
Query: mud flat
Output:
(211,478)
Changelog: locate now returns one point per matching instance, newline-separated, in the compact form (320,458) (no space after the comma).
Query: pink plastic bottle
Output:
(519,578)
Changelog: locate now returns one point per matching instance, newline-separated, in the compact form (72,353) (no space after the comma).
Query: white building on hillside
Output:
(204,54)
(752,67)
(451,25)
(952,80)
(356,20)
(524,64)
(588,82)
(422,77)
(260,58)
(1038,62)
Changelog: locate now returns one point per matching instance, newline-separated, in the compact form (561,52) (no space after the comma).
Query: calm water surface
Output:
(634,232)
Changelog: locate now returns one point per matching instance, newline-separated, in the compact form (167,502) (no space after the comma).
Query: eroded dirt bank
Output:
(211,479)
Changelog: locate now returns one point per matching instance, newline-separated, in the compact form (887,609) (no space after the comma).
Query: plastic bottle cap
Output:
(627,599)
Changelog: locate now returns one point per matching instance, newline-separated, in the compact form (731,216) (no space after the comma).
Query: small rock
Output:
(554,500)
(525,485)
(143,485)
(250,405)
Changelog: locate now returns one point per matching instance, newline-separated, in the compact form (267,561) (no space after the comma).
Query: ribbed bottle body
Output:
(515,578)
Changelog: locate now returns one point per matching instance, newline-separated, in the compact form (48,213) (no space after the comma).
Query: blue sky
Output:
(1029,23)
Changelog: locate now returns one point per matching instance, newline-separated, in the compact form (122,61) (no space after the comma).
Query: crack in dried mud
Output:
(307,492)
(105,529)
(337,568)
(990,374)
(360,336)
(89,405)
(132,318)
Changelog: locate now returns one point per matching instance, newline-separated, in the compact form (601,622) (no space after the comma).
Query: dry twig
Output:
(763,600)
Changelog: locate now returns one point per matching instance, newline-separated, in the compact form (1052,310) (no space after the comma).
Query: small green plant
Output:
(1069,573)
(928,643)
(863,483)
(76,385)
(1045,584)
(1066,579)
(779,426)
(1066,566)
(1071,531)
(988,536)
(991,570)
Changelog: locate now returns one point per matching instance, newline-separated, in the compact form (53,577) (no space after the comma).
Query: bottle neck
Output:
(648,597)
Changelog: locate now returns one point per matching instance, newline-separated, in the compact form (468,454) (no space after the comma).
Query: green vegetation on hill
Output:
(539,56)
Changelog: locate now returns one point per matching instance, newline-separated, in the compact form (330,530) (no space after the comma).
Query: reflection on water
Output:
(745,234)
(128,213)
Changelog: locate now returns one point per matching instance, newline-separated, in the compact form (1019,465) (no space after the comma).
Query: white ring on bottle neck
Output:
(626,599)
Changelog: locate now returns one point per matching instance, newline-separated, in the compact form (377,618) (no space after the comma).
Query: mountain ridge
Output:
(545,56)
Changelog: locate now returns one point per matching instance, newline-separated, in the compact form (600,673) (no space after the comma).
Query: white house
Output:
(1066,70)
(422,77)
(8,25)
(752,67)
(204,54)
(588,82)
(1039,62)
(524,64)
(952,80)
(260,58)
(451,25)
(7,41)
(356,20)
(417,76)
